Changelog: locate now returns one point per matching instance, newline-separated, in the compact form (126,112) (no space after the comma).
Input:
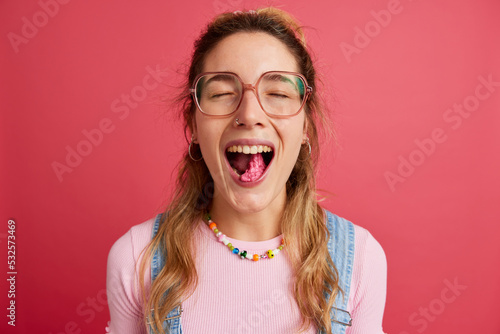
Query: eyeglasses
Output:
(280,94)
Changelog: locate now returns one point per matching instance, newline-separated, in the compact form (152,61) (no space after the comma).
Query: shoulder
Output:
(133,241)
(336,223)
(362,253)
(367,247)
(368,286)
(123,264)
(369,279)
(122,279)
(365,244)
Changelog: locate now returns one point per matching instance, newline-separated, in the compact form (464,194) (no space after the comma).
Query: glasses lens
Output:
(218,94)
(281,94)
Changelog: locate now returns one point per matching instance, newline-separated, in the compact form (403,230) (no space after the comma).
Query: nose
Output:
(250,112)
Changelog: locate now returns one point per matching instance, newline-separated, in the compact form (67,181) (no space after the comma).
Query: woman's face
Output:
(263,185)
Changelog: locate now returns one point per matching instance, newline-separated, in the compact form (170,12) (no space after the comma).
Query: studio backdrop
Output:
(90,142)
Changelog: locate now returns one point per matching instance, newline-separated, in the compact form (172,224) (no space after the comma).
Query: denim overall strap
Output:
(341,249)
(173,320)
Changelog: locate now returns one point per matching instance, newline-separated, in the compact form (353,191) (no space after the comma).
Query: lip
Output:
(249,142)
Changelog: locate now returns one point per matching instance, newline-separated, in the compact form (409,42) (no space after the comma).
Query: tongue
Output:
(256,168)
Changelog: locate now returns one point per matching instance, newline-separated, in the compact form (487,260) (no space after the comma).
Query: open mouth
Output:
(249,162)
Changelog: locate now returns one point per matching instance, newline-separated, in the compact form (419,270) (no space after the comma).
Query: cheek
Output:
(209,136)
(204,132)
(292,133)
(208,144)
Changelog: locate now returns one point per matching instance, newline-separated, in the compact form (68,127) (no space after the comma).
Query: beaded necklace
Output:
(242,254)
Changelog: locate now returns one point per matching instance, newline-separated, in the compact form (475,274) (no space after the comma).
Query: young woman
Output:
(244,246)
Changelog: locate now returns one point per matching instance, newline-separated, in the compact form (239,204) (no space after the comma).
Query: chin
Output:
(249,202)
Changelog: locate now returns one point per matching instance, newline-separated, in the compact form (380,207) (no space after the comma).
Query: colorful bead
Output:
(243,254)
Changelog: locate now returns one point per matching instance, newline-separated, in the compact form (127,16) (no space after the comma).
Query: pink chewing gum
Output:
(256,168)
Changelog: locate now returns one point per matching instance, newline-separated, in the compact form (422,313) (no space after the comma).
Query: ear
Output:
(304,134)
(194,135)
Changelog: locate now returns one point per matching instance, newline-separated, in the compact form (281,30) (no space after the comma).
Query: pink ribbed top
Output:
(241,296)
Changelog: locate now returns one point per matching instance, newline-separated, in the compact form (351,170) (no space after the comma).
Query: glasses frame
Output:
(308,91)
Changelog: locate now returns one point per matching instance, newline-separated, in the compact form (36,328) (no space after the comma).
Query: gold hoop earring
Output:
(309,146)
(189,150)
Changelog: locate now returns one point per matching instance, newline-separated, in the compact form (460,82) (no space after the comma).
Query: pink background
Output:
(422,178)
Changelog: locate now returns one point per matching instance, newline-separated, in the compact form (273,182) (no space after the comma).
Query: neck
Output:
(248,225)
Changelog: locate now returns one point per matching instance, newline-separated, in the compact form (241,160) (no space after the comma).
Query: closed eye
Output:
(283,96)
(221,94)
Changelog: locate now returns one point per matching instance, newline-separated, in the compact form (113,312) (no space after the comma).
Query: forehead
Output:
(249,55)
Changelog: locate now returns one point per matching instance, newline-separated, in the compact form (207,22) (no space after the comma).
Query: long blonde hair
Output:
(303,222)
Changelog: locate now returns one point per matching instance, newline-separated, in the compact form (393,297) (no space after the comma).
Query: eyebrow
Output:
(220,77)
(278,77)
